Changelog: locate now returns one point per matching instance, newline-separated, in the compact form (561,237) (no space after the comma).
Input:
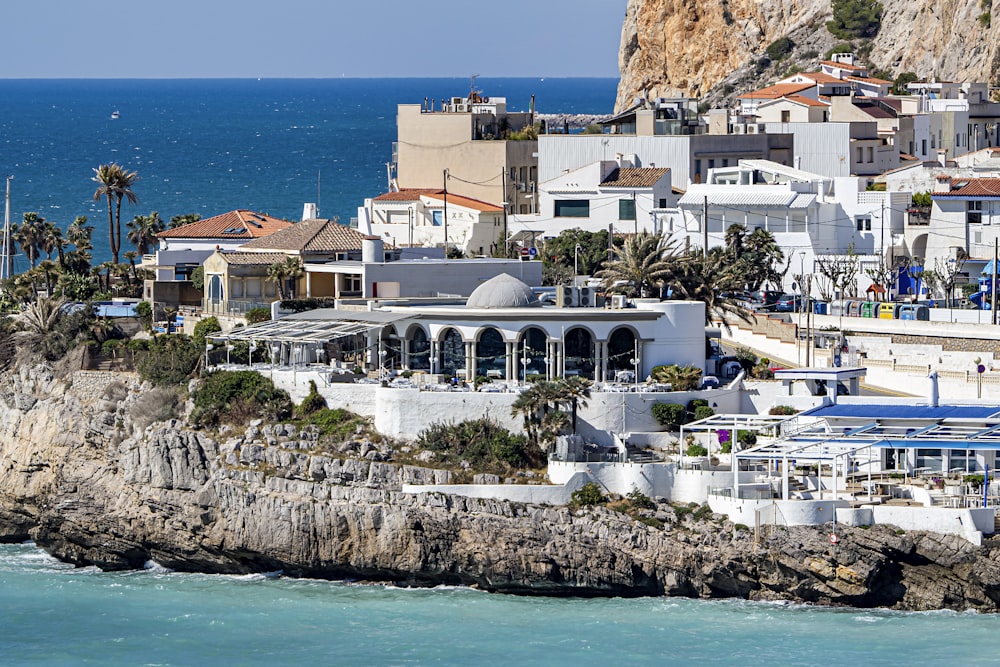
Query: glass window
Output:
(663,202)
(437,218)
(626,209)
(864,223)
(572,208)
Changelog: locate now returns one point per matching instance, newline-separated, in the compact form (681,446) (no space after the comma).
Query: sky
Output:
(309,38)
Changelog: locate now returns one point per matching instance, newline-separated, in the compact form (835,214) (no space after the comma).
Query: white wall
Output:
(536,494)
(664,480)
(969,523)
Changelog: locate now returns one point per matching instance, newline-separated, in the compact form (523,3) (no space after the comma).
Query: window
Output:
(572,208)
(352,283)
(437,218)
(786,116)
(923,147)
(663,202)
(871,154)
(215,289)
(973,212)
(864,223)
(626,209)
(861,155)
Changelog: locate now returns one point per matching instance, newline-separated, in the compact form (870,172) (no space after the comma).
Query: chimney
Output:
(308,211)
(372,250)
(934,389)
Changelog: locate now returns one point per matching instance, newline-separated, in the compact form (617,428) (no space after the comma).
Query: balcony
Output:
(918,216)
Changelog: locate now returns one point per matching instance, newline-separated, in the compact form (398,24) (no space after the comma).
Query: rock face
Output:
(700,47)
(77,480)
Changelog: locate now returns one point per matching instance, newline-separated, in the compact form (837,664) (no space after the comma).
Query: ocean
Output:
(52,614)
(211,146)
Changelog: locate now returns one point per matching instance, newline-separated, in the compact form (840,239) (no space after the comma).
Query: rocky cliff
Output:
(717,48)
(80,476)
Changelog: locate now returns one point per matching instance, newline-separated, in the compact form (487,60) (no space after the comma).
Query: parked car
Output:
(764,299)
(791,303)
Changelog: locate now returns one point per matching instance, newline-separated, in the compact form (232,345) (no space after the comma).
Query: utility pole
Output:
(993,282)
(445,214)
(7,267)
(635,214)
(704,226)
(506,235)
(611,242)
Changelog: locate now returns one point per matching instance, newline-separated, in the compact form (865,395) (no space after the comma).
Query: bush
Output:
(587,495)
(257,315)
(670,415)
(780,48)
(168,360)
(337,424)
(855,19)
(703,412)
(842,47)
(593,128)
(694,449)
(639,500)
(782,410)
(236,397)
(144,311)
(207,326)
(155,405)
(486,445)
(313,402)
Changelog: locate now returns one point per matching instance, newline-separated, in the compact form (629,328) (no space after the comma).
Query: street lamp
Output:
(802,276)
(576,269)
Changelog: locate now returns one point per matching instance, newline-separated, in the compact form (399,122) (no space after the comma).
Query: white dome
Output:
(503,291)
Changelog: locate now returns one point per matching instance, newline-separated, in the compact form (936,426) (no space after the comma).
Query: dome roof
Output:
(503,291)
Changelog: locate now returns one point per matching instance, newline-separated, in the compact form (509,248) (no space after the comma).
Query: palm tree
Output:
(115,184)
(143,230)
(51,271)
(181,220)
(79,233)
(705,278)
(37,324)
(29,235)
(645,261)
(281,272)
(574,390)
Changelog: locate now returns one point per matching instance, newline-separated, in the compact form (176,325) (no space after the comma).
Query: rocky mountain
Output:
(717,48)
(85,476)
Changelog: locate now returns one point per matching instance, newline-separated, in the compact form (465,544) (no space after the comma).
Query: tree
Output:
(29,235)
(181,220)
(115,185)
(574,390)
(640,266)
(707,278)
(143,230)
(946,273)
(884,273)
(281,272)
(681,378)
(855,19)
(37,326)
(841,272)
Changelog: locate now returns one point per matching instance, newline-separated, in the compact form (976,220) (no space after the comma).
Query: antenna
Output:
(6,266)
(319,174)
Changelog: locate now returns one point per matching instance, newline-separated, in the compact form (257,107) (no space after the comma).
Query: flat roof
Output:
(897,411)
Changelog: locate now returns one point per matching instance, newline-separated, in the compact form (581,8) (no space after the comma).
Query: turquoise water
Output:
(51,614)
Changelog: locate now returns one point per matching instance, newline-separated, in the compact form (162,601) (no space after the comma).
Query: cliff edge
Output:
(718,48)
(81,476)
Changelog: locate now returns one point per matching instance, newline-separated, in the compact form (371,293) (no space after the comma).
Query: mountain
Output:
(715,49)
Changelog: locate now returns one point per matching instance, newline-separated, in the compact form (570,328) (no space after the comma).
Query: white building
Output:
(616,194)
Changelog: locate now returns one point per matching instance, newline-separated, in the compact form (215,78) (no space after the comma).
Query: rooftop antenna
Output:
(473,93)
(7,263)
(319,174)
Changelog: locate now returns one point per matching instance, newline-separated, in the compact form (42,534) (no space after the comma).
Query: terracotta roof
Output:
(466,202)
(972,187)
(906,157)
(868,79)
(409,194)
(629,177)
(252,258)
(308,237)
(776,91)
(806,101)
(239,224)
(819,77)
(843,66)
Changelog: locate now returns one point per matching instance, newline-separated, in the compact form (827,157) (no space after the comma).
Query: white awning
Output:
(313,326)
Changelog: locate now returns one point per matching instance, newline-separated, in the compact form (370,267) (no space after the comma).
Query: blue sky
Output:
(309,38)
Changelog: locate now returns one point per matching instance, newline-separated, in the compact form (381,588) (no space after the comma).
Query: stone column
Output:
(470,361)
(604,360)
(404,353)
(509,371)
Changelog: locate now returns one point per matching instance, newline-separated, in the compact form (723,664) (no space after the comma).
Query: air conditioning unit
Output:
(619,301)
(588,297)
(567,296)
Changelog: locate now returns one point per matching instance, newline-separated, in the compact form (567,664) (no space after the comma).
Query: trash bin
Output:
(819,308)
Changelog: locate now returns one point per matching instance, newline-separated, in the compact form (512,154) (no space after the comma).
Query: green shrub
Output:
(670,415)
(702,513)
(640,500)
(237,397)
(144,311)
(337,424)
(207,326)
(257,315)
(855,19)
(313,402)
(486,445)
(168,360)
(974,480)
(703,412)
(593,128)
(780,48)
(842,47)
(694,449)
(198,278)
(587,495)
(782,410)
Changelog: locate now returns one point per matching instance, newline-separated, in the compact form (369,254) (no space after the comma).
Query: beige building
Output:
(465,147)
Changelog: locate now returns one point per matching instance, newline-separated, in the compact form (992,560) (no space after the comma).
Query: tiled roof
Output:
(809,102)
(869,79)
(252,258)
(820,77)
(843,66)
(972,187)
(776,91)
(239,224)
(314,236)
(410,194)
(629,177)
